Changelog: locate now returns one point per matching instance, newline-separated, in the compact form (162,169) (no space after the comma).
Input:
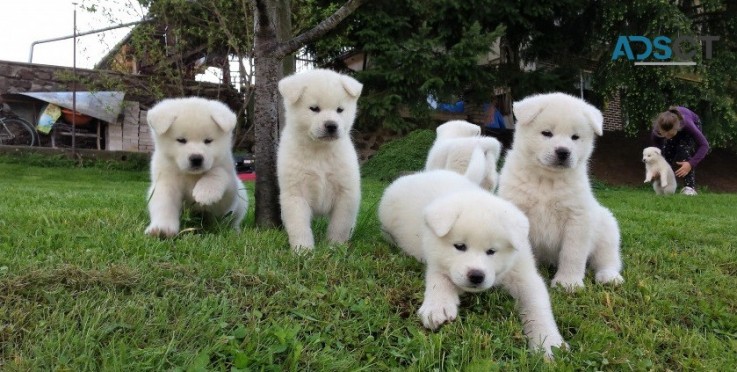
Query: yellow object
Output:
(49,116)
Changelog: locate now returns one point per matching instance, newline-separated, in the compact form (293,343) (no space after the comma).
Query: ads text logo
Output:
(662,50)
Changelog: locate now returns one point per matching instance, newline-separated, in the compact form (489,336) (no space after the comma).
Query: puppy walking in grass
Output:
(658,171)
(317,164)
(470,240)
(192,164)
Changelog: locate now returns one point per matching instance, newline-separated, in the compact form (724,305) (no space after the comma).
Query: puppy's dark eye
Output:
(340,109)
(575,137)
(182,140)
(208,141)
(315,108)
(460,246)
(490,252)
(547,133)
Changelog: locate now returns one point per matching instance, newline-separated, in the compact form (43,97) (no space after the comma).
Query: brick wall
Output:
(613,114)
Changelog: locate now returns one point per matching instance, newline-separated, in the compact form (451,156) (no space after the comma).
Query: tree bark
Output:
(268,72)
(284,32)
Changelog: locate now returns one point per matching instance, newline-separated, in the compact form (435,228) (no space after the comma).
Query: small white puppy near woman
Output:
(317,164)
(470,241)
(453,146)
(658,171)
(545,174)
(192,164)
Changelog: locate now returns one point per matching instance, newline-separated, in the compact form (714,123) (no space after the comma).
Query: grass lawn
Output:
(82,288)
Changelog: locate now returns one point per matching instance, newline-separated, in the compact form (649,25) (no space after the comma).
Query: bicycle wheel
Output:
(17,132)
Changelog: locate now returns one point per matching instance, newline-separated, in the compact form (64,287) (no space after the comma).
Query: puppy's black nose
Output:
(331,127)
(562,153)
(196,160)
(476,276)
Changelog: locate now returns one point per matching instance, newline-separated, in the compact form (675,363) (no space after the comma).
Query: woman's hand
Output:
(684,169)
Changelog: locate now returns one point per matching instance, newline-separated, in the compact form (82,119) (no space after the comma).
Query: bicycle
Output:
(15,131)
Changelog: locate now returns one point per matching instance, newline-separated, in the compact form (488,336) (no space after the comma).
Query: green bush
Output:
(406,154)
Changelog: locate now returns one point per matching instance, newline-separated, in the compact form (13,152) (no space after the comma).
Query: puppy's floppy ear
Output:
(351,86)
(528,109)
(657,150)
(161,116)
(222,116)
(596,119)
(291,88)
(440,216)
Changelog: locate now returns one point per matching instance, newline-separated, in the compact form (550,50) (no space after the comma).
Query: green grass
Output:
(405,154)
(82,288)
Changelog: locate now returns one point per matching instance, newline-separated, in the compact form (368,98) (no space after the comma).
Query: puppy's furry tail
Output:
(476,170)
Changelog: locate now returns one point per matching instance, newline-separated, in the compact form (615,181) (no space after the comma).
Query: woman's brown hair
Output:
(668,121)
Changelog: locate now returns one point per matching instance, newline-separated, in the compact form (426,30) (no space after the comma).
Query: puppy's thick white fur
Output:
(457,129)
(192,164)
(470,241)
(658,171)
(546,175)
(454,145)
(317,164)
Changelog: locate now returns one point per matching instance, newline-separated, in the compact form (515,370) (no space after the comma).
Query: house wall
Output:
(130,132)
(612,112)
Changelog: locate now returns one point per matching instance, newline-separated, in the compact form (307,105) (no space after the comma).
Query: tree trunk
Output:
(268,72)
(283,33)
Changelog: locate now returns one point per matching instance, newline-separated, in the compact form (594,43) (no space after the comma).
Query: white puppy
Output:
(317,164)
(457,129)
(192,163)
(454,145)
(658,171)
(546,175)
(470,241)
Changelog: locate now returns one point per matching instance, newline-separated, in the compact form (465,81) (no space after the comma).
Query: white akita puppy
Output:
(658,171)
(453,146)
(470,241)
(192,164)
(545,174)
(317,164)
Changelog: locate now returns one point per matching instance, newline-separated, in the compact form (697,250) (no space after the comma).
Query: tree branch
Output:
(292,45)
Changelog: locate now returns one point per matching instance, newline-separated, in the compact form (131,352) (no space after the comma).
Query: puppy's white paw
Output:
(162,230)
(434,314)
(302,249)
(610,277)
(206,195)
(569,284)
(547,343)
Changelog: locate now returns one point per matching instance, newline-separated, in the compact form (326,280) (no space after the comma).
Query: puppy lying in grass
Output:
(470,241)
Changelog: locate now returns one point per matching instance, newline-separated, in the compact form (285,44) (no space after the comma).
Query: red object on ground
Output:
(247,176)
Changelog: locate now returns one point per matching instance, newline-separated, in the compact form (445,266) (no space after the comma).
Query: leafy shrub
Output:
(406,154)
